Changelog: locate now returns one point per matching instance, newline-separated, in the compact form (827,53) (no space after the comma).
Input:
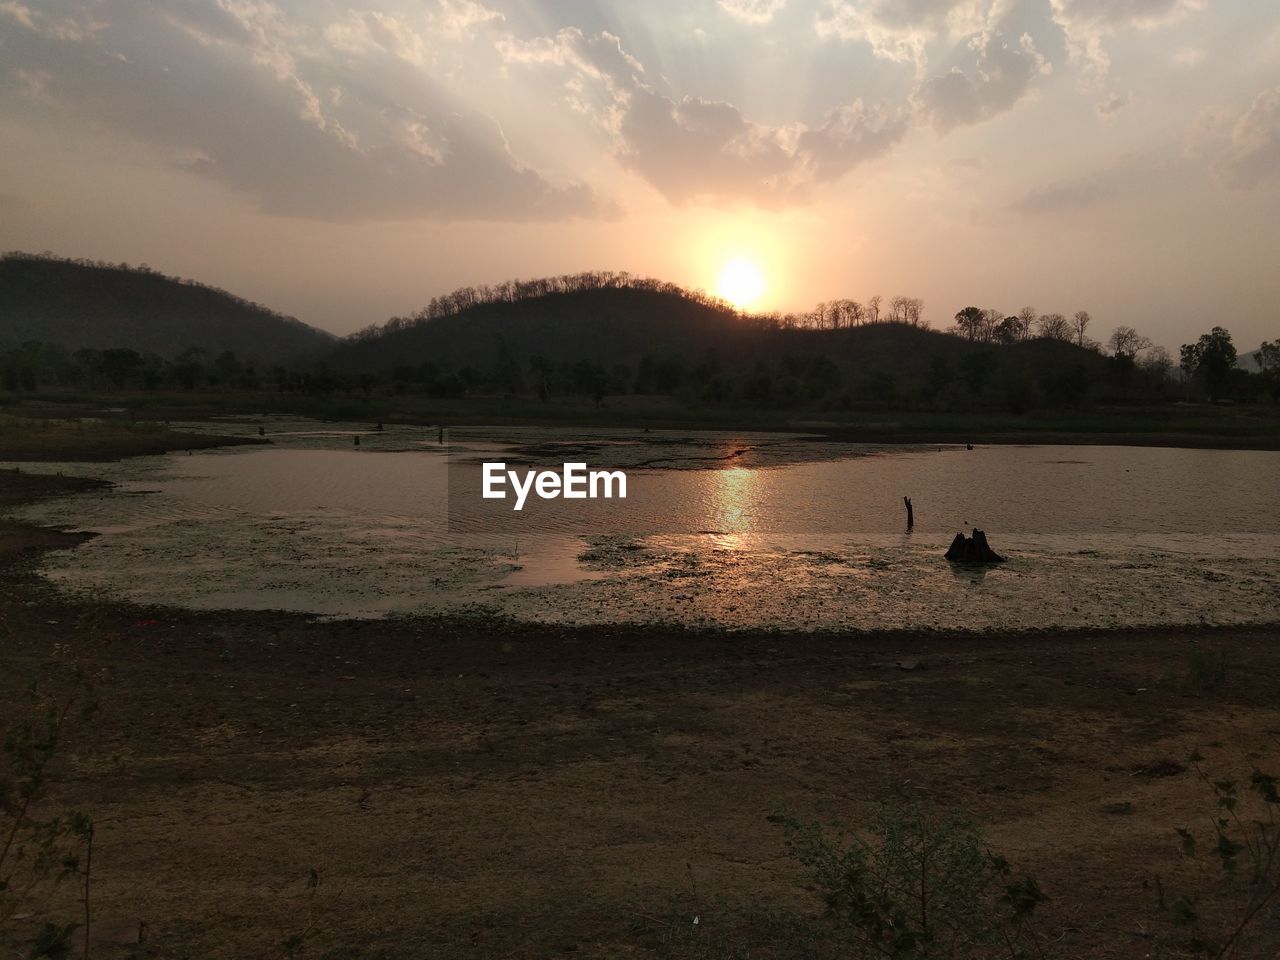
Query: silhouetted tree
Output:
(1211,358)
(1009,330)
(1080,323)
(1155,365)
(119,365)
(1067,388)
(1027,318)
(941,376)
(1128,342)
(976,370)
(758,385)
(1269,361)
(1054,326)
(506,371)
(969,323)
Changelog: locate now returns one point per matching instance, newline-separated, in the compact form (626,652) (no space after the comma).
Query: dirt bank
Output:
(42,438)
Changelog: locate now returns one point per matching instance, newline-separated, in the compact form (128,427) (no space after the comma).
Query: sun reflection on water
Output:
(736,494)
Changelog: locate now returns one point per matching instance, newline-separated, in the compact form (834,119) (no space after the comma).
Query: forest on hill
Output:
(590,337)
(81,304)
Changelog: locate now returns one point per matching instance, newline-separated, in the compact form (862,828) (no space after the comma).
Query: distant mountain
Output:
(1250,360)
(79,304)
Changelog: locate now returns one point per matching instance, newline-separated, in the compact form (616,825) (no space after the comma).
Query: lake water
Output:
(725,529)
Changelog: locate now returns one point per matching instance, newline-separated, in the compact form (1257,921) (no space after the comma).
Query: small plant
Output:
(1206,669)
(1245,842)
(918,885)
(37,851)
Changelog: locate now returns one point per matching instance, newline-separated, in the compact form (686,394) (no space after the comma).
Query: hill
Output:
(606,325)
(607,334)
(78,304)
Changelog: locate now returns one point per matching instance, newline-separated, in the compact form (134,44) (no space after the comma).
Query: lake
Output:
(724,529)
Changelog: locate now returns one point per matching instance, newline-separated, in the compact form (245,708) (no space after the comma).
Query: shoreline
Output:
(1251,430)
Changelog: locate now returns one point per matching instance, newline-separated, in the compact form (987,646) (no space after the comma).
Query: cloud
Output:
(1107,109)
(1253,154)
(752,11)
(371,32)
(899,30)
(343,121)
(1087,23)
(599,57)
(1124,180)
(1207,132)
(849,136)
(1067,196)
(1189,57)
(456,19)
(696,150)
(69,24)
(1004,75)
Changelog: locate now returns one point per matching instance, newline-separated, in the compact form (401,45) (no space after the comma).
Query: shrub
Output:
(918,885)
(1244,840)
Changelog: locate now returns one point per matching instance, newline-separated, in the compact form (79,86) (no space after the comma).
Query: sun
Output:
(741,282)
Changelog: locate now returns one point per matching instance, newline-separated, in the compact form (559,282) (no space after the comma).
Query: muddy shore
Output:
(488,789)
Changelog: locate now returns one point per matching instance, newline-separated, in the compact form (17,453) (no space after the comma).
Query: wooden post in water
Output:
(911,520)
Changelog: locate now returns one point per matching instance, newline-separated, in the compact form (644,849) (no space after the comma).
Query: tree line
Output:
(980,376)
(995,326)
(835,314)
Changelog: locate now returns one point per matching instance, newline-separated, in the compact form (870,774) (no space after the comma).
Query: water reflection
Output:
(734,500)
(969,572)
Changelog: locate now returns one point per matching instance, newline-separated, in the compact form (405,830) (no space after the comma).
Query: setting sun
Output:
(741,282)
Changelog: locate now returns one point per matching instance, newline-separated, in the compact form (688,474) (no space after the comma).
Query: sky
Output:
(345,162)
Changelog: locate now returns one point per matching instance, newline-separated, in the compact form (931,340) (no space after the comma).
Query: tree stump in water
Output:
(973,549)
